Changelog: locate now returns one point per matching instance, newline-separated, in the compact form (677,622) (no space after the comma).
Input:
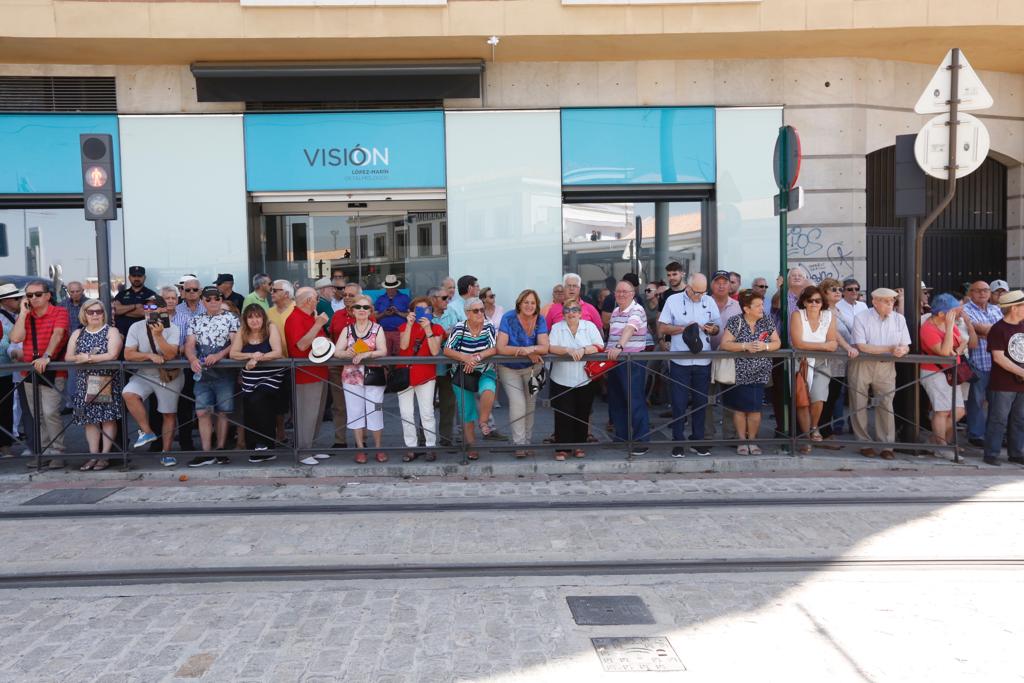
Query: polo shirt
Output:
(981,357)
(517,335)
(391,323)
(45,324)
(870,328)
(324,306)
(296,326)
(130,297)
(587,312)
(633,316)
(277,319)
(254,298)
(458,307)
(849,312)
(681,310)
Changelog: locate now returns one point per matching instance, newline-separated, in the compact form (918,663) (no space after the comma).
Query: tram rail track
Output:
(393,572)
(221,509)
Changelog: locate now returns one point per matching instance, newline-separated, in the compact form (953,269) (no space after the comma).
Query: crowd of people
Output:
(544,347)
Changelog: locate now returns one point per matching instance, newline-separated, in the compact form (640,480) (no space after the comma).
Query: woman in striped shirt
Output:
(258,341)
(469,343)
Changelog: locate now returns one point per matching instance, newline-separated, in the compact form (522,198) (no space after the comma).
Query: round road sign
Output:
(931,149)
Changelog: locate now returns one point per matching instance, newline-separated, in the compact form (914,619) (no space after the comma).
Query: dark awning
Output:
(337,81)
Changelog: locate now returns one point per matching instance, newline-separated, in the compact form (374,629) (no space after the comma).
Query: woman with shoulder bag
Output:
(419,336)
(97,392)
(813,328)
(750,332)
(469,343)
(364,386)
(572,392)
(941,337)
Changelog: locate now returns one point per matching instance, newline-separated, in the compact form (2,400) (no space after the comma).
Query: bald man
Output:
(302,326)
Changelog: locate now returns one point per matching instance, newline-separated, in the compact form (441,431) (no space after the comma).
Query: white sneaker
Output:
(322,456)
(310,461)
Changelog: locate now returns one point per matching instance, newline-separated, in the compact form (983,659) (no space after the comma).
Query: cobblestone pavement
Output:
(835,625)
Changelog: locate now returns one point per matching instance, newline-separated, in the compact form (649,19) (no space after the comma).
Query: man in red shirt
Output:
(42,330)
(301,327)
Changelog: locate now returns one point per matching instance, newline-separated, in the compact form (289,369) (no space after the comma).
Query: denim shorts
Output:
(215,392)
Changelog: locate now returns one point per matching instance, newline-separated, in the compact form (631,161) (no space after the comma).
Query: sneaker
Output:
(701,450)
(991,461)
(322,456)
(262,458)
(201,460)
(145,438)
(223,460)
(678,452)
(168,461)
(639,450)
(261,447)
(977,442)
(310,461)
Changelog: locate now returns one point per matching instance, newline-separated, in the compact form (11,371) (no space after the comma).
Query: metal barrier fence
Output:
(785,363)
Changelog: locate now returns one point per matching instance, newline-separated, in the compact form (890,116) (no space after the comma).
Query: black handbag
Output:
(398,376)
(373,375)
(467,381)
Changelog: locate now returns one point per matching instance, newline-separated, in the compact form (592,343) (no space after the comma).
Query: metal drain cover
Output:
(609,610)
(71,497)
(637,654)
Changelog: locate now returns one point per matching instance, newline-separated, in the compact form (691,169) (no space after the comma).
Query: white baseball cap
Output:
(999,284)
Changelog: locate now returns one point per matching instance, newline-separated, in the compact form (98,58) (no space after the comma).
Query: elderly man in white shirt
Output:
(877,331)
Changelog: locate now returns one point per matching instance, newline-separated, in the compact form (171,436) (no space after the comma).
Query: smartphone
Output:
(421,312)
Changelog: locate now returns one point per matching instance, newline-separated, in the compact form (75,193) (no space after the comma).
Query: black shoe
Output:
(665,413)
(223,460)
(339,444)
(991,461)
(701,450)
(66,411)
(201,460)
(262,458)
(678,452)
(1017,460)
(639,450)
(975,441)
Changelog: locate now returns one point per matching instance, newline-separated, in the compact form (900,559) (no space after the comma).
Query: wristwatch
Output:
(46,355)
(619,347)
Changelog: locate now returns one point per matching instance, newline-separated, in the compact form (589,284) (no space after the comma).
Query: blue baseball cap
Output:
(943,303)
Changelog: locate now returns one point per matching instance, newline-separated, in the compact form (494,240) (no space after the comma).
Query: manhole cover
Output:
(71,497)
(637,654)
(609,610)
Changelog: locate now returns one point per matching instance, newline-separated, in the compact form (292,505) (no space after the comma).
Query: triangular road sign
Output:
(973,95)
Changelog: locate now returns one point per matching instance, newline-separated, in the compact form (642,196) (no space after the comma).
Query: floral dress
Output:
(105,403)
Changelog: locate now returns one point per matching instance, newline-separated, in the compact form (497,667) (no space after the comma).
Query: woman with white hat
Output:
(363,341)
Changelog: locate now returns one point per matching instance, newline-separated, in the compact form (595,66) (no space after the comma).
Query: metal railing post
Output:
(124,420)
(629,404)
(295,400)
(37,419)
(952,413)
(792,367)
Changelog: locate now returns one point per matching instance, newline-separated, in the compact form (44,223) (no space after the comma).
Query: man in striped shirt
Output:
(983,314)
(627,404)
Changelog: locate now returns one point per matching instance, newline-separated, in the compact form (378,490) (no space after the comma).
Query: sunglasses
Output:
(835,289)
(853,289)
(94,311)
(190,289)
(814,301)
(362,307)
(650,291)
(760,286)
(444,297)
(32,295)
(572,309)
(489,296)
(474,310)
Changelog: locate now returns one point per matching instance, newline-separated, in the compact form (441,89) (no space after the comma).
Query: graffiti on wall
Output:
(822,256)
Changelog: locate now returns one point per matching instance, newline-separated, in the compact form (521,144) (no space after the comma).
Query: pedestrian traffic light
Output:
(98,176)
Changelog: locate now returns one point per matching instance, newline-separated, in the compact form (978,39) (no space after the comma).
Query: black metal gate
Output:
(967,242)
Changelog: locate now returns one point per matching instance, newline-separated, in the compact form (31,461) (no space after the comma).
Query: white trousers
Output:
(422,395)
(361,407)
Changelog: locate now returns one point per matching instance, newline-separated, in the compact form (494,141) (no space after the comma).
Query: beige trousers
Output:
(879,377)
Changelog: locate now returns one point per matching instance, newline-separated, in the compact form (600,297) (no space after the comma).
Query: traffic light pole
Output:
(103,264)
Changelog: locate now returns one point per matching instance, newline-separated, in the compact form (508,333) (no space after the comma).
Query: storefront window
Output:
(38,239)
(604,241)
(365,246)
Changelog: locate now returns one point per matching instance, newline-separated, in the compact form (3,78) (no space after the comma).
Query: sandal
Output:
(360,458)
(816,436)
(101,465)
(431,457)
(472,455)
(88,465)
(579,453)
(560,455)
(755,450)
(743,449)
(381,457)
(409,457)
(520,454)
(485,428)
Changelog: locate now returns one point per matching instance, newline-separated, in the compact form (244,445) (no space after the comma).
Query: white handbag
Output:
(723,371)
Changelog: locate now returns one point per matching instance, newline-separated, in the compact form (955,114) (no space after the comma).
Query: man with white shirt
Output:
(850,306)
(721,292)
(877,331)
(691,377)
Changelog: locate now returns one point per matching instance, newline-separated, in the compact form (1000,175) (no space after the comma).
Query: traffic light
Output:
(98,176)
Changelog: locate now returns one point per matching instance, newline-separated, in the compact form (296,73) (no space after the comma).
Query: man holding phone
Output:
(155,340)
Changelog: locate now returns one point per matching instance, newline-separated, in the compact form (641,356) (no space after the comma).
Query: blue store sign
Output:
(39,153)
(350,151)
(638,146)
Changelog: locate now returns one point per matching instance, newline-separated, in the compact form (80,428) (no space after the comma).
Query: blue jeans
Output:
(690,384)
(618,403)
(976,406)
(1005,408)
